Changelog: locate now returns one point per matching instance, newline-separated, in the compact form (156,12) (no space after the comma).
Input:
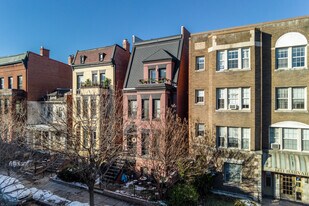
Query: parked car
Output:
(12,192)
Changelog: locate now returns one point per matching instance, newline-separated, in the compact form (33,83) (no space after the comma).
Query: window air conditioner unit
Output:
(275,146)
(233,106)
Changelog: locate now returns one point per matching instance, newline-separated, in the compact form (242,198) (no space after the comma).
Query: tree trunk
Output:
(91,195)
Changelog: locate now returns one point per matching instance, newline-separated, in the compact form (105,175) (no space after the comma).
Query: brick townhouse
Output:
(157,78)
(248,91)
(27,77)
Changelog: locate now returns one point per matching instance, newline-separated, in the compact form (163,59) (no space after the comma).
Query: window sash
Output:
(245,98)
(233,95)
(282,98)
(232,139)
(245,140)
(2,83)
(152,75)
(232,172)
(305,139)
(290,139)
(220,60)
(200,63)
(282,58)
(232,59)
(156,109)
(298,98)
(145,109)
(245,58)
(94,78)
(162,73)
(200,130)
(199,96)
(132,108)
(298,56)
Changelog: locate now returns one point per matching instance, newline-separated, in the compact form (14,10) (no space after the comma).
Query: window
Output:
(245,138)
(296,139)
(19,82)
(145,109)
(79,82)
(94,78)
(1,83)
(102,77)
(132,108)
(85,138)
(200,63)
(199,130)
(291,98)
(94,137)
(93,105)
(156,109)
(199,96)
(305,139)
(232,172)
(145,142)
(162,73)
(291,57)
(290,139)
(101,56)
(78,106)
(85,107)
(10,80)
(6,106)
(82,59)
(282,58)
(152,75)
(233,137)
(1,103)
(233,59)
(233,98)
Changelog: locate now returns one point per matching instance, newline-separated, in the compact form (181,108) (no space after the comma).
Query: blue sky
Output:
(64,26)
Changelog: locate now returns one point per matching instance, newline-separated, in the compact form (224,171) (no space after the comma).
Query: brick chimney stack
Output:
(70,59)
(126,45)
(44,52)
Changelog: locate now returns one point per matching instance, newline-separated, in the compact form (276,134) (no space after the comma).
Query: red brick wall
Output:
(182,85)
(121,60)
(13,70)
(45,75)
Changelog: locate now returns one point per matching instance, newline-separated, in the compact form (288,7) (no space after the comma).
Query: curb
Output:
(108,193)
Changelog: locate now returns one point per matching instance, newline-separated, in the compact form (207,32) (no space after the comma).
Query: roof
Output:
(152,50)
(159,55)
(13,59)
(92,55)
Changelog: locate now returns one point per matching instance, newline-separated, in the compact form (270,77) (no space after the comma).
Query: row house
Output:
(53,121)
(248,93)
(96,72)
(156,79)
(25,78)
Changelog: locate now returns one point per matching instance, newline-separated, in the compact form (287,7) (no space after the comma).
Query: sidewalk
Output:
(273,202)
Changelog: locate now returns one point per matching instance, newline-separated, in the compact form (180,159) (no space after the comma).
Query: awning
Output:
(294,163)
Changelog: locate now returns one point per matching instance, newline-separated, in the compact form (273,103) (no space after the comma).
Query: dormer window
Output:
(82,59)
(152,75)
(162,73)
(101,56)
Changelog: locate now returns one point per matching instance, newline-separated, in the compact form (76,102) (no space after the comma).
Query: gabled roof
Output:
(159,55)
(13,59)
(92,55)
(153,50)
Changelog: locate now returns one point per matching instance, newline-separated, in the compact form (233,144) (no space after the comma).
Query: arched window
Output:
(289,135)
(291,51)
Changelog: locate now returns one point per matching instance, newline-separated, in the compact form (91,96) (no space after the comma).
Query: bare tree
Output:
(94,138)
(164,145)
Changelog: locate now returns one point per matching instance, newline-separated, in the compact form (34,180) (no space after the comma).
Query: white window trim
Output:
(240,58)
(290,58)
(240,137)
(290,100)
(196,63)
(197,129)
(240,98)
(280,139)
(224,172)
(195,97)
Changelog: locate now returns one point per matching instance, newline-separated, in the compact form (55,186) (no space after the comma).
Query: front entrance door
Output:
(291,187)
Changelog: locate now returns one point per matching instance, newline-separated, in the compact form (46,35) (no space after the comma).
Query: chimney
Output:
(126,45)
(70,59)
(44,52)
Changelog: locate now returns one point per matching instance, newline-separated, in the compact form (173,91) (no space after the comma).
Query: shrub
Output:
(70,174)
(203,183)
(244,203)
(183,195)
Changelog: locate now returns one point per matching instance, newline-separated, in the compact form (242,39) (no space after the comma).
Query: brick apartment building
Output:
(26,78)
(96,72)
(248,87)
(157,78)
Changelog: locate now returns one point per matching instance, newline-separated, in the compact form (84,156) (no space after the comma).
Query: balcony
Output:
(13,93)
(155,81)
(154,84)
(89,87)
